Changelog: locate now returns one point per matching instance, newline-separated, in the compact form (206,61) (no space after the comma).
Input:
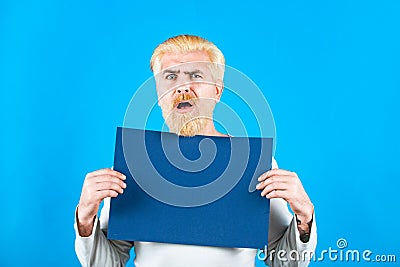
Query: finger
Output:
(108,186)
(107,178)
(106,193)
(92,182)
(106,171)
(274,186)
(273,172)
(263,176)
(273,179)
(277,194)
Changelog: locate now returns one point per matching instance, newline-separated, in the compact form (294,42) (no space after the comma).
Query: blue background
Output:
(329,69)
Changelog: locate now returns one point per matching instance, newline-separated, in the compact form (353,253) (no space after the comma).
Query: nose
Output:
(182,90)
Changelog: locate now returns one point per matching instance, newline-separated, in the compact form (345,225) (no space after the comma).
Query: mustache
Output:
(182,98)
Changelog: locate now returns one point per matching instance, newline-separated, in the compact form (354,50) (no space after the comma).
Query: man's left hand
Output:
(278,183)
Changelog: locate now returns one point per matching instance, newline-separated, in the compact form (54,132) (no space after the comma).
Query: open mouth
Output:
(184,105)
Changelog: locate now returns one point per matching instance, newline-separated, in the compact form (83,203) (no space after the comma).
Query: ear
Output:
(219,87)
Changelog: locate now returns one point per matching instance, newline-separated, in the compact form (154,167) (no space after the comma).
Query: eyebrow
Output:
(193,72)
(171,71)
(185,72)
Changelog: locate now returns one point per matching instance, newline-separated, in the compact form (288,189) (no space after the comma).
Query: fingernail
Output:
(258,185)
(124,177)
(124,185)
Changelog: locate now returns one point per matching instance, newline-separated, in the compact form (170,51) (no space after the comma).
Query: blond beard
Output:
(189,123)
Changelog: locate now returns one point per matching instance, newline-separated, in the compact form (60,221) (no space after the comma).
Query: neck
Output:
(204,127)
(209,129)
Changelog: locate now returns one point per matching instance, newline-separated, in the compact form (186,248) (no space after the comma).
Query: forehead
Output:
(172,59)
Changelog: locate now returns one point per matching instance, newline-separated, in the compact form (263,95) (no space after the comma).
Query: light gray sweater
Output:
(284,245)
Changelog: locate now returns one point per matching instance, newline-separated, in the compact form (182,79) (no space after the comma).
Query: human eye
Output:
(196,76)
(171,76)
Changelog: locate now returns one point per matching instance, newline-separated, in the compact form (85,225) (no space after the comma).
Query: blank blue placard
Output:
(238,219)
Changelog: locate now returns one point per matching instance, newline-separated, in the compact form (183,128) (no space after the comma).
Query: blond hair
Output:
(185,44)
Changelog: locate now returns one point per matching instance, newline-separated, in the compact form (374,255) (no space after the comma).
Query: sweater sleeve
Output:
(284,245)
(96,249)
(289,250)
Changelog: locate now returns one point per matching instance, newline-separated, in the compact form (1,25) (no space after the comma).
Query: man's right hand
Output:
(97,186)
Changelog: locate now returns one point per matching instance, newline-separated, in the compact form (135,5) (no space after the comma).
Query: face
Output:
(187,91)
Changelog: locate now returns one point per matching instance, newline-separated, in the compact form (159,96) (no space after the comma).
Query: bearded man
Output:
(189,74)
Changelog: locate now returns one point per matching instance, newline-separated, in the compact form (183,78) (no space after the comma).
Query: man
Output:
(189,81)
